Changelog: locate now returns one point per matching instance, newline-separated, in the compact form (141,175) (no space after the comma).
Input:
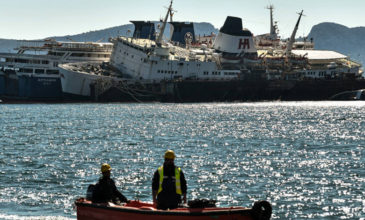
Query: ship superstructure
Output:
(149,60)
(272,39)
(298,60)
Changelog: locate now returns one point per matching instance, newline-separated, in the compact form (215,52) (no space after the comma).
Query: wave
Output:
(18,217)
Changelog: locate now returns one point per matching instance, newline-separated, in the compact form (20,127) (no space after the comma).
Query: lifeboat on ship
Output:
(137,210)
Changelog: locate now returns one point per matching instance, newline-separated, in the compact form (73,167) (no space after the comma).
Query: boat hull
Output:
(2,83)
(77,83)
(40,87)
(25,87)
(137,211)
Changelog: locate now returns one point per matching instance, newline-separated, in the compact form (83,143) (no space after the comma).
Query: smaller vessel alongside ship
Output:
(137,210)
(354,95)
(31,72)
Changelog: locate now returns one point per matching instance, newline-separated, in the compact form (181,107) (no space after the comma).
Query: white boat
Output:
(32,69)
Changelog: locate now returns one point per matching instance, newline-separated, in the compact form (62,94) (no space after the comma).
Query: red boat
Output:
(137,210)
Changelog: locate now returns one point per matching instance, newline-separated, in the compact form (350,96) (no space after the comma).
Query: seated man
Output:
(105,190)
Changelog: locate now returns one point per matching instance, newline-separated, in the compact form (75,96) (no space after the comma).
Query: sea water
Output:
(305,158)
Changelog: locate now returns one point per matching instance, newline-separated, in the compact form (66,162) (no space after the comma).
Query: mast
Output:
(292,38)
(172,12)
(273,34)
(162,30)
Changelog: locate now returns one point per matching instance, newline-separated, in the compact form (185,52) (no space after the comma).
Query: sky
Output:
(37,19)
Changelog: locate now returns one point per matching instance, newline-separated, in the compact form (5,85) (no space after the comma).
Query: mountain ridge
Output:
(326,36)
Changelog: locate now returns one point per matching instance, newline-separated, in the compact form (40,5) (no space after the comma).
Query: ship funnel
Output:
(144,30)
(183,33)
(233,26)
(233,41)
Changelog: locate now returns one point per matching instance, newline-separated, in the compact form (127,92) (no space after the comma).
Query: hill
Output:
(348,41)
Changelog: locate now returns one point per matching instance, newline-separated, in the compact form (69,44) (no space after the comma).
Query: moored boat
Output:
(233,68)
(140,210)
(30,72)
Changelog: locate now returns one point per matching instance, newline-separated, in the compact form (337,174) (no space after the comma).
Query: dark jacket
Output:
(168,198)
(106,191)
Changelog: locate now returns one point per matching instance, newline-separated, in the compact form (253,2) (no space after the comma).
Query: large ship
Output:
(233,68)
(31,71)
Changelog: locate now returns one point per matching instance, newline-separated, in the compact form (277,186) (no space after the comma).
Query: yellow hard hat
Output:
(105,167)
(169,154)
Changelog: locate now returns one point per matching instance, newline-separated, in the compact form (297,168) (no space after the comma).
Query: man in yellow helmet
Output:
(105,190)
(168,184)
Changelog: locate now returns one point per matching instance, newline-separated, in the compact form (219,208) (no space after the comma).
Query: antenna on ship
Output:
(292,38)
(172,12)
(273,26)
(162,30)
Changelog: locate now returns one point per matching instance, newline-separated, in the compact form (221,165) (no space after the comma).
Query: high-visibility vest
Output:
(177,180)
